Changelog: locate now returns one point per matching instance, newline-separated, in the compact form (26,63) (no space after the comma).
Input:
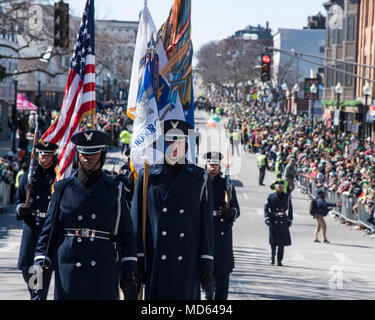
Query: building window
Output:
(321,49)
(348,78)
(339,74)
(331,36)
(350,28)
(340,34)
(329,81)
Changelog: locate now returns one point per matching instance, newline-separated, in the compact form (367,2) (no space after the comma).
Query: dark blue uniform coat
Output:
(223,236)
(179,232)
(279,225)
(40,197)
(87,268)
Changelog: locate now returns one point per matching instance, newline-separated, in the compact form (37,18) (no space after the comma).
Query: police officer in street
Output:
(89,226)
(34,214)
(178,255)
(262,165)
(278,215)
(224,216)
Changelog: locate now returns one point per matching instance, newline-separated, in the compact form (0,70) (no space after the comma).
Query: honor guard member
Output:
(224,216)
(34,215)
(285,185)
(178,254)
(278,215)
(89,226)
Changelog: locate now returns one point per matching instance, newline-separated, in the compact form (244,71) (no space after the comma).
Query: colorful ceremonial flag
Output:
(146,128)
(175,97)
(79,96)
(146,31)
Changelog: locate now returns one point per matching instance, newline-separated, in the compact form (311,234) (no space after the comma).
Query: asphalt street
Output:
(343,269)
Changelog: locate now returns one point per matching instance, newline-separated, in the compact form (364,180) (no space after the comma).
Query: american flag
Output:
(79,95)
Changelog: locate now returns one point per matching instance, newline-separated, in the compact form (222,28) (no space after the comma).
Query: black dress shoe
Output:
(279,264)
(273,261)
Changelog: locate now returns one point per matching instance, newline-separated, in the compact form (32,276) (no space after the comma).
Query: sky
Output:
(212,19)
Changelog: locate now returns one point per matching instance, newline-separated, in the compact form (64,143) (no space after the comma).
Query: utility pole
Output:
(14,118)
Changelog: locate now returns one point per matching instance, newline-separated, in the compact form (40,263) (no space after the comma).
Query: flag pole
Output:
(151,60)
(93,117)
(144,218)
(32,163)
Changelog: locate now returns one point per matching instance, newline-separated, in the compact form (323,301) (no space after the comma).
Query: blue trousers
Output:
(218,288)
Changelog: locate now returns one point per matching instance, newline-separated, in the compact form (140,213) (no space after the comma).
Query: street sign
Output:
(308,83)
(336,118)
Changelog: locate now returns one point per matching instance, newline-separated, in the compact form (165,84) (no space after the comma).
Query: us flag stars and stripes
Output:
(79,95)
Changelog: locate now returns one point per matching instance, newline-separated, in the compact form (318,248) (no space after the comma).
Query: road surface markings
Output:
(341,257)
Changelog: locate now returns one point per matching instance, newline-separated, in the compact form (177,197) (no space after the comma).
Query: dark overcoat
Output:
(279,212)
(179,232)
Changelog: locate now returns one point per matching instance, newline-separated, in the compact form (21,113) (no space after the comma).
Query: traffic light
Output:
(266,67)
(61,26)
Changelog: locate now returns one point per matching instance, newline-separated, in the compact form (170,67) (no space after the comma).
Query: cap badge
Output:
(88,136)
(174,125)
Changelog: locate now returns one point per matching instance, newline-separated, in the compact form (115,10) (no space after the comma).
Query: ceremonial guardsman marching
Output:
(34,214)
(224,216)
(278,215)
(89,225)
(179,227)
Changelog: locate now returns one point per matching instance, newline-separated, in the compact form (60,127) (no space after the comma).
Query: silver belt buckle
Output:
(85,233)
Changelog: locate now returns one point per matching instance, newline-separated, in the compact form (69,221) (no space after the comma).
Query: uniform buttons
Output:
(38,197)
(49,197)
(93,216)
(37,223)
(93,263)
(182,211)
(163,257)
(221,220)
(80,218)
(165,209)
(78,264)
(164,233)
(222,233)
(79,240)
(179,258)
(37,211)
(182,235)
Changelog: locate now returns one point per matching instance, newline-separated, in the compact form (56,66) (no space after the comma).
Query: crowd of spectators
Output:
(335,161)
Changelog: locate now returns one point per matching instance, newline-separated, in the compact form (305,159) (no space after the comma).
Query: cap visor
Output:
(90,150)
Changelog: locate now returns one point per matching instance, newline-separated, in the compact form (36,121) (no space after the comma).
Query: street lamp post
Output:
(284,86)
(366,92)
(287,93)
(14,118)
(313,90)
(338,90)
(296,89)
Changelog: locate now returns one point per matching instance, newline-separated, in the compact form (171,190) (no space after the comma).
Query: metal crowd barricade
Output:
(364,214)
(347,208)
(304,183)
(308,185)
(4,194)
